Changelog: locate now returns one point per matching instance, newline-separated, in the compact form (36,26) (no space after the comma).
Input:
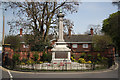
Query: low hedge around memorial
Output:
(93,63)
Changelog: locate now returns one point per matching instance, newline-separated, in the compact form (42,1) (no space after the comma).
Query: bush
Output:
(83,55)
(16,58)
(89,57)
(13,40)
(74,60)
(23,60)
(73,55)
(49,57)
(36,56)
(22,63)
(81,60)
(101,60)
(88,62)
(101,42)
(28,55)
(46,57)
(30,61)
(41,62)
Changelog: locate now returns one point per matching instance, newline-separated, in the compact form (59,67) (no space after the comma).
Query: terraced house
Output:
(78,43)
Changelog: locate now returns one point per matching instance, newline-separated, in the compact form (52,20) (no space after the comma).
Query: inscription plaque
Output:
(61,55)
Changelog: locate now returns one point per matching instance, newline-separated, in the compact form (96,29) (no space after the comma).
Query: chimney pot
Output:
(21,32)
(69,31)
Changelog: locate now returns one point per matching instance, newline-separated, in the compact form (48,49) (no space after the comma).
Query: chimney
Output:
(91,31)
(21,32)
(69,31)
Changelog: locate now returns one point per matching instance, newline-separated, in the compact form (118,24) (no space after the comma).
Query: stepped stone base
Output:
(61,53)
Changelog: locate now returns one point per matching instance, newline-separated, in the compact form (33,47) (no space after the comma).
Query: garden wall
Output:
(110,52)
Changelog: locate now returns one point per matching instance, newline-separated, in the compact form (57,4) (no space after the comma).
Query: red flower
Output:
(68,62)
(54,63)
(48,64)
(61,64)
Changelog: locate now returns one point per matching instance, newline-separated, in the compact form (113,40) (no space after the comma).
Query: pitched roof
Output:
(78,38)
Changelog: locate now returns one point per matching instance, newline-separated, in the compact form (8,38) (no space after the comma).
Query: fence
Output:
(60,66)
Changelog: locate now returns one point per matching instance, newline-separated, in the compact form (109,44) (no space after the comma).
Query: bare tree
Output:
(38,17)
(116,3)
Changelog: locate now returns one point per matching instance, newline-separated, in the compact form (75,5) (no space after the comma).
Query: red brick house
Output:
(24,47)
(78,43)
(82,43)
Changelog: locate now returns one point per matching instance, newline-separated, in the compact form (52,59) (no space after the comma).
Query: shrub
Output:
(28,55)
(36,56)
(46,61)
(104,60)
(72,55)
(83,55)
(49,57)
(16,58)
(81,60)
(46,57)
(24,60)
(89,57)
(13,40)
(22,63)
(74,60)
(30,61)
(101,59)
(41,62)
(89,62)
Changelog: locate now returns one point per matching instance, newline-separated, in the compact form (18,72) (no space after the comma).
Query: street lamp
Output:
(3,27)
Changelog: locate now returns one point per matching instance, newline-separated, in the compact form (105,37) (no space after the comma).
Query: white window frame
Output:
(85,45)
(74,46)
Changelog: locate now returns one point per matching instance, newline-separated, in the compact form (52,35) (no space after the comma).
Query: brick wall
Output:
(107,53)
(9,52)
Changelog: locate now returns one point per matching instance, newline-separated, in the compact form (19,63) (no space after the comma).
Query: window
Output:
(85,45)
(74,46)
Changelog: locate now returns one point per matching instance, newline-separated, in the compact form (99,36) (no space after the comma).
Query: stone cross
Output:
(60,25)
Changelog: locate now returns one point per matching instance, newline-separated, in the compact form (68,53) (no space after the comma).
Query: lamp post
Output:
(3,30)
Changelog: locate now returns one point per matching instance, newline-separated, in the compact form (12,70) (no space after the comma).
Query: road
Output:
(111,74)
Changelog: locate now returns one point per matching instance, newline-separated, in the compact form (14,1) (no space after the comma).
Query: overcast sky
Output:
(88,13)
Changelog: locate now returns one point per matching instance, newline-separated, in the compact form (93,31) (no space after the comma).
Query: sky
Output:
(88,13)
(91,13)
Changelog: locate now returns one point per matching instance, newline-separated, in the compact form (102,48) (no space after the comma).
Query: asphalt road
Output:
(112,74)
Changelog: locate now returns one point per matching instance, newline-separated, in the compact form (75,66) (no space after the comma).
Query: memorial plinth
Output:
(61,52)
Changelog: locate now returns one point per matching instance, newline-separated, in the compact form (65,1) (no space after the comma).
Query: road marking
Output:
(11,77)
